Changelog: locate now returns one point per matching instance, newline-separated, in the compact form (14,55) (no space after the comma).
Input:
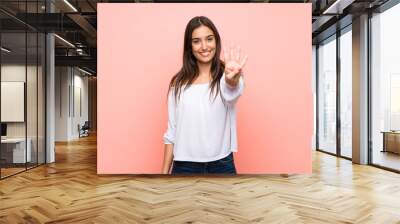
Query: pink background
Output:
(140,49)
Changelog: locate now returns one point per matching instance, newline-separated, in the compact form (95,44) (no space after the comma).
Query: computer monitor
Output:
(3,129)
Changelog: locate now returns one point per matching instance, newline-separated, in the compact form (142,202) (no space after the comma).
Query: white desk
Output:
(19,149)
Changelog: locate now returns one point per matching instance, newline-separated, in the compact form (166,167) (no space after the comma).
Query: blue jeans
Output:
(222,166)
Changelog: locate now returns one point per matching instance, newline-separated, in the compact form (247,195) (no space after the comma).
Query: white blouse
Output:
(200,129)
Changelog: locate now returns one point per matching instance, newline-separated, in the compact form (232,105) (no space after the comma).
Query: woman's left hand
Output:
(234,63)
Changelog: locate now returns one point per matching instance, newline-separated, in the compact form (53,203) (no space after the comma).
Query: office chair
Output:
(84,130)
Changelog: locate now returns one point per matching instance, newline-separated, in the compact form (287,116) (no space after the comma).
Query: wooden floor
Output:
(69,191)
(387,159)
(5,172)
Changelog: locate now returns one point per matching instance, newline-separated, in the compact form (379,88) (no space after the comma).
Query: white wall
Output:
(71,93)
(62,81)
(15,72)
(81,84)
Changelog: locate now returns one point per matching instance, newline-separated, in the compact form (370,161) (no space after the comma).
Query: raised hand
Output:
(234,62)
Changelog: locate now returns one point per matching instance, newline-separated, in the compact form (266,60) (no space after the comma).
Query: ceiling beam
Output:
(86,26)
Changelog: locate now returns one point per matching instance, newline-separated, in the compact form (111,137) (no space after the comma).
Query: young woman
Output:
(201,133)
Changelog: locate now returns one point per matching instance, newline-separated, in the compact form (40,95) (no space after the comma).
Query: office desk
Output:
(15,148)
(391,141)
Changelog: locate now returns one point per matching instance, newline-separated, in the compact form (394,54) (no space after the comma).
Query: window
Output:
(346,92)
(327,95)
(385,88)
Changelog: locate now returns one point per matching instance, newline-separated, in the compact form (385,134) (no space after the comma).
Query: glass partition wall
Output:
(385,89)
(327,95)
(345,61)
(22,87)
(334,95)
(334,105)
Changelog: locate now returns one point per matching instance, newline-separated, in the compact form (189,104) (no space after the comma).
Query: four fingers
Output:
(234,62)
(235,54)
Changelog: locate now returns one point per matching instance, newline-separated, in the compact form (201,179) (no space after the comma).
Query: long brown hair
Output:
(190,71)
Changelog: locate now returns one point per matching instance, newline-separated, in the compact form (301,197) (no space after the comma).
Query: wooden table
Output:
(391,141)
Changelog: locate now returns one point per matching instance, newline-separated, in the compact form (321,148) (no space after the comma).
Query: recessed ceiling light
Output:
(337,7)
(70,5)
(64,40)
(84,71)
(5,50)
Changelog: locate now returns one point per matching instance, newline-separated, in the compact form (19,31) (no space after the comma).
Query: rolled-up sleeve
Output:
(229,93)
(169,135)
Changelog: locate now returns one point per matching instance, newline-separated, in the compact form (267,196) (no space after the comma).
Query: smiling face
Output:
(203,44)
